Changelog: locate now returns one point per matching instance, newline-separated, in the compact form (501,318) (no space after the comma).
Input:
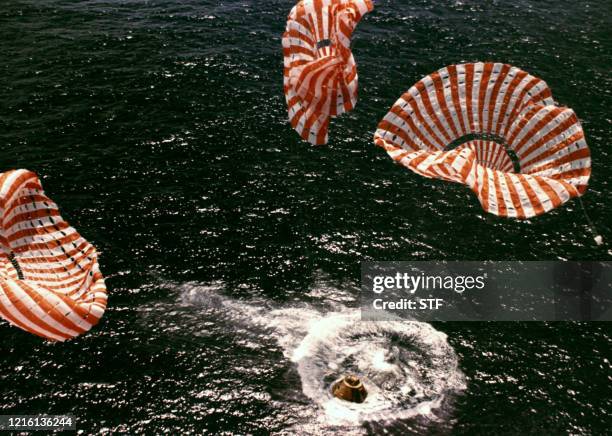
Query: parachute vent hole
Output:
(323,43)
(516,164)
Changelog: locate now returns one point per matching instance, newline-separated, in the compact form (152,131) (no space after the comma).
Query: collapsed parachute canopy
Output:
(519,153)
(320,76)
(50,282)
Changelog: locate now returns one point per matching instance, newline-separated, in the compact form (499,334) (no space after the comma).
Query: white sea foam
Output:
(408,367)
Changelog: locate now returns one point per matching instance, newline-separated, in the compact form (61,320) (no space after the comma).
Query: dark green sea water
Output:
(159,127)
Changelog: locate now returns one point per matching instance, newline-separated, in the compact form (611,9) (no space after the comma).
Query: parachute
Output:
(50,282)
(494,128)
(320,75)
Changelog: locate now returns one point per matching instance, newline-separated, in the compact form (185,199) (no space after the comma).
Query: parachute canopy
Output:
(520,153)
(320,75)
(50,282)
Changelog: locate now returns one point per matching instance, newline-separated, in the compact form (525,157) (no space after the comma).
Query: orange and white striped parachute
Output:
(320,75)
(50,282)
(520,153)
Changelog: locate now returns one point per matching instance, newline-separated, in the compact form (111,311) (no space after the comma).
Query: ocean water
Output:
(232,249)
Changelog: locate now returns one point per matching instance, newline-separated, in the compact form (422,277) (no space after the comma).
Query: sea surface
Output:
(232,249)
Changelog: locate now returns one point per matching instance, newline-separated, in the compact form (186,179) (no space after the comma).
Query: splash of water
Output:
(408,367)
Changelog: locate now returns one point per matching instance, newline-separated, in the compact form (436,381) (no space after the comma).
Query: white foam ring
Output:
(408,367)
